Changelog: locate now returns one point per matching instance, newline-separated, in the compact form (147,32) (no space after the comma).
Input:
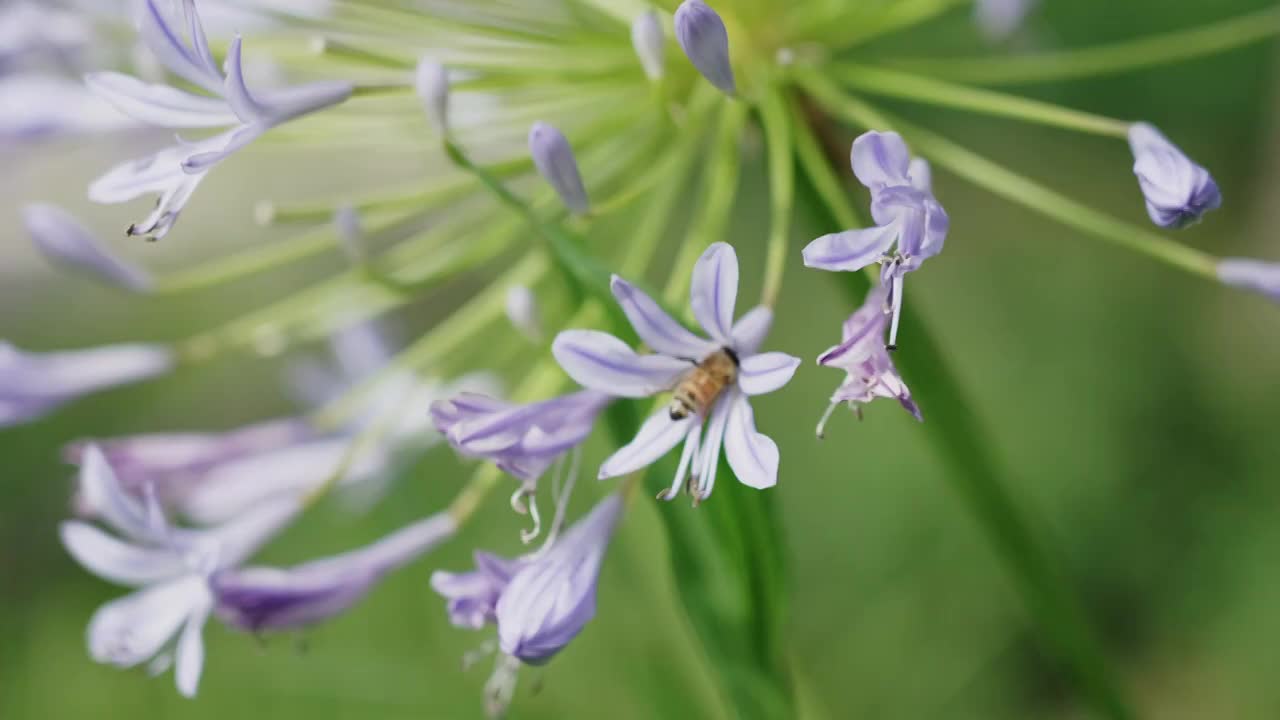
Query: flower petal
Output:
(101,493)
(190,652)
(655,327)
(766,372)
(132,629)
(62,239)
(602,362)
(234,89)
(880,159)
(753,457)
(850,250)
(656,437)
(116,561)
(714,290)
(749,332)
(165,40)
(159,105)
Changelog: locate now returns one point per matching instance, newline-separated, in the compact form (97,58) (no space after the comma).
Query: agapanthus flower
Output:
(867,363)
(704,39)
(171,567)
(911,226)
(260,599)
(1176,189)
(523,440)
(726,370)
(174,173)
(35,383)
(1255,275)
(65,241)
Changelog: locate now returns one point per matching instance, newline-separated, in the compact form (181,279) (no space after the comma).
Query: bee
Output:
(703,384)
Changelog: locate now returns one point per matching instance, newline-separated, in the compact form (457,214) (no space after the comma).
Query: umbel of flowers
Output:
(611,120)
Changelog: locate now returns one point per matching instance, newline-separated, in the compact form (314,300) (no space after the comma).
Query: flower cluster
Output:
(597,109)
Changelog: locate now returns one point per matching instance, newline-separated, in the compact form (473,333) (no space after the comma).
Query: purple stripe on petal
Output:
(602,362)
(753,457)
(766,372)
(655,327)
(656,437)
(850,250)
(714,291)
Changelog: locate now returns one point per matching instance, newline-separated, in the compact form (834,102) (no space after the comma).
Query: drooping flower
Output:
(1177,190)
(165,617)
(1248,274)
(523,440)
(63,240)
(704,39)
(175,172)
(650,43)
(863,356)
(906,213)
(553,156)
(523,312)
(998,19)
(713,378)
(472,597)
(261,599)
(33,384)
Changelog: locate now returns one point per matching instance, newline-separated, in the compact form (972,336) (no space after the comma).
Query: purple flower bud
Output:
(1254,275)
(523,312)
(262,599)
(432,84)
(552,597)
(32,384)
(864,358)
(998,19)
(523,440)
(1177,190)
(64,241)
(555,161)
(705,40)
(650,43)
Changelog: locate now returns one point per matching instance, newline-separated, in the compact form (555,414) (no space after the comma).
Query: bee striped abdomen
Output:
(703,384)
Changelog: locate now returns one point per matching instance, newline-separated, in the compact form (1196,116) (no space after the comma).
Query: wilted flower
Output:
(712,379)
(863,356)
(268,599)
(62,239)
(705,41)
(1177,190)
(553,156)
(174,173)
(1255,275)
(907,216)
(33,384)
(170,565)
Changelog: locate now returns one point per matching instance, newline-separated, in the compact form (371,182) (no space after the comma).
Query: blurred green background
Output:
(1132,407)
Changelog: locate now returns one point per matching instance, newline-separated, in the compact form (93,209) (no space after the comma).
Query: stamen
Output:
(471,657)
(896,302)
(501,687)
(561,498)
(822,424)
(528,493)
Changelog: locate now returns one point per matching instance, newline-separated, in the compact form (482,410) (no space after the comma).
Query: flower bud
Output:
(1177,190)
(346,223)
(649,42)
(432,85)
(1253,275)
(523,312)
(998,19)
(64,241)
(554,158)
(705,40)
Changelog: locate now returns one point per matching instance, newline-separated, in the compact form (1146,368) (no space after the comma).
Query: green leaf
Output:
(974,473)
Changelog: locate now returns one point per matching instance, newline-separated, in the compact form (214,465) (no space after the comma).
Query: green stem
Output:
(1015,187)
(1121,57)
(778,136)
(956,432)
(891,83)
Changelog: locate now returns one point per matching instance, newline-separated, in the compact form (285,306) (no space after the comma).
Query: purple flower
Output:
(64,241)
(174,173)
(524,440)
(649,43)
(263,598)
(712,378)
(1255,275)
(472,597)
(170,567)
(33,384)
(906,213)
(432,85)
(1177,190)
(705,41)
(862,355)
(554,159)
(998,19)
